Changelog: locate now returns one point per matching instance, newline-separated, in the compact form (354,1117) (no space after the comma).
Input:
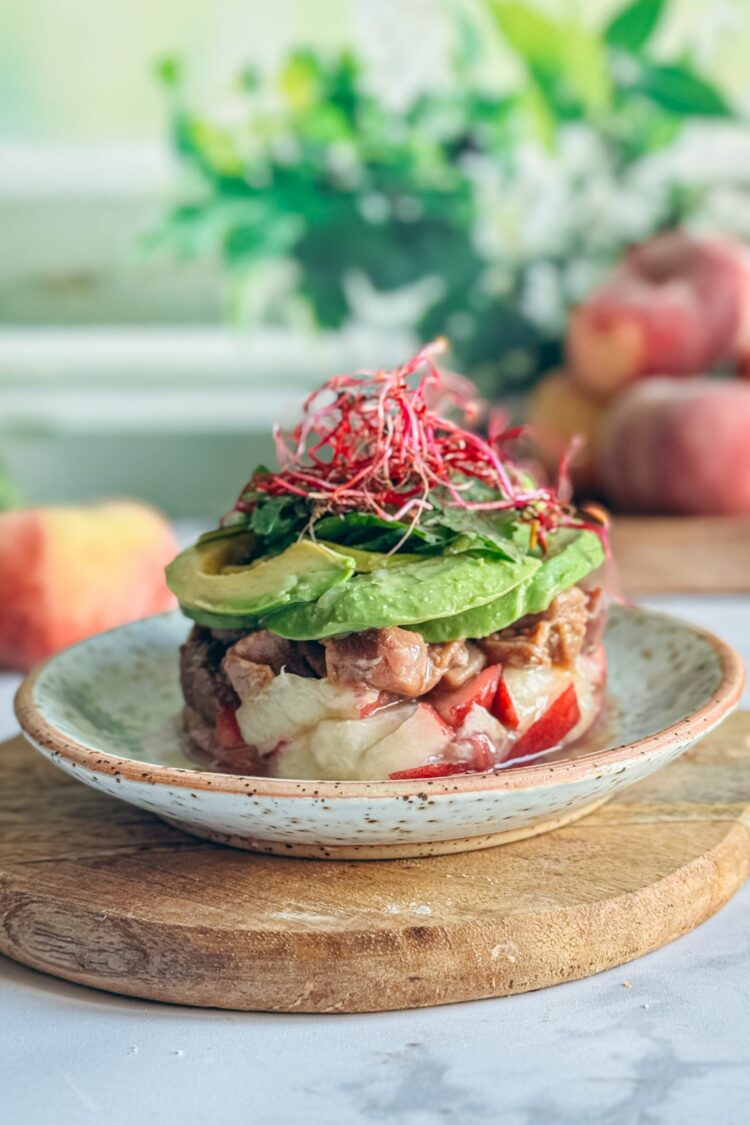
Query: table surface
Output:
(664,1039)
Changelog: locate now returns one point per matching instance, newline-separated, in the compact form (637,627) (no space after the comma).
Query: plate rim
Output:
(42,733)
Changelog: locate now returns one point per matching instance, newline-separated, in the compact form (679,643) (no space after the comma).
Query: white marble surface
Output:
(674,1047)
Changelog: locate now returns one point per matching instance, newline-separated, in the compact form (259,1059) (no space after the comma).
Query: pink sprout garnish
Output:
(374,443)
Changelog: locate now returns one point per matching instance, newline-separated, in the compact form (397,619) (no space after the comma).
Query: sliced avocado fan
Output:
(314,590)
(404,594)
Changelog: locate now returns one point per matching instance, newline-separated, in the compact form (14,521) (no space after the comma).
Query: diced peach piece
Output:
(340,745)
(503,707)
(560,411)
(672,307)
(228,733)
(454,706)
(531,690)
(560,718)
(293,705)
(434,769)
(420,739)
(66,573)
(679,448)
(481,740)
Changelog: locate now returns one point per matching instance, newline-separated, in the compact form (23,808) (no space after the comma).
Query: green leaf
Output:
(369,532)
(565,61)
(679,90)
(168,70)
(479,530)
(301,193)
(539,107)
(585,67)
(277,521)
(448,531)
(215,144)
(534,37)
(632,27)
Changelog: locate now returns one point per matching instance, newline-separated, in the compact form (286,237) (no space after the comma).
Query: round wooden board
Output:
(97,892)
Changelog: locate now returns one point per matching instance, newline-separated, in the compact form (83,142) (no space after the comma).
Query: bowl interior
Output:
(119,693)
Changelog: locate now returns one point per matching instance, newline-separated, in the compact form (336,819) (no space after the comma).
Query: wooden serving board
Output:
(97,892)
(682,554)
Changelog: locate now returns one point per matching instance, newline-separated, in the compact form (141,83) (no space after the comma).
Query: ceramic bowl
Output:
(106,711)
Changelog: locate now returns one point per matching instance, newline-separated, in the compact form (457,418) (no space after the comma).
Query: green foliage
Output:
(571,69)
(632,27)
(440,531)
(319,182)
(566,63)
(369,532)
(278,521)
(681,92)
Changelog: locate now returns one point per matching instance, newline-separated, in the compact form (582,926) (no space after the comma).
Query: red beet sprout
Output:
(375,443)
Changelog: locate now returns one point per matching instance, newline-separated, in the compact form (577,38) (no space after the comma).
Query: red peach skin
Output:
(681,448)
(562,715)
(741,347)
(674,306)
(66,573)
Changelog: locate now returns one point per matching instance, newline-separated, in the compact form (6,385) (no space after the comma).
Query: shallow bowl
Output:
(106,711)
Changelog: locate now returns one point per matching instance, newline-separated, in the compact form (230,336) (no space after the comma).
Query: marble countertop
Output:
(674,1046)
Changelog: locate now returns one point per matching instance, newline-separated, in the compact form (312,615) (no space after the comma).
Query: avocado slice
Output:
(571,556)
(213,586)
(402,595)
(365,561)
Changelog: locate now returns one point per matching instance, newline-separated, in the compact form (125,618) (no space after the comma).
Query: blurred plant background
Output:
(205,207)
(482,205)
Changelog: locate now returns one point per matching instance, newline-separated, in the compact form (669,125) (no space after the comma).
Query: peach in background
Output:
(68,572)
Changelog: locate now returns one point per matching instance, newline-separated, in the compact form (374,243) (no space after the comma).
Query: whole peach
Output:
(559,411)
(675,447)
(66,573)
(674,306)
(741,348)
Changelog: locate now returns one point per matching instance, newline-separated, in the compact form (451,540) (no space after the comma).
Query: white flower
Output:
(542,299)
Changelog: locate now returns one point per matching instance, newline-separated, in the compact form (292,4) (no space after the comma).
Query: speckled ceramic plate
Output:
(106,712)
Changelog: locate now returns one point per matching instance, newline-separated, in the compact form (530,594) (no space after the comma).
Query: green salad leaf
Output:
(278,521)
(483,530)
(441,531)
(369,532)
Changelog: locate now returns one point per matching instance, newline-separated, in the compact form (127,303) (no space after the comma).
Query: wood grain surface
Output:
(682,554)
(98,892)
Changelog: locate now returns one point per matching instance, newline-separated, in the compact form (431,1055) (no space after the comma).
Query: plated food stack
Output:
(397,599)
